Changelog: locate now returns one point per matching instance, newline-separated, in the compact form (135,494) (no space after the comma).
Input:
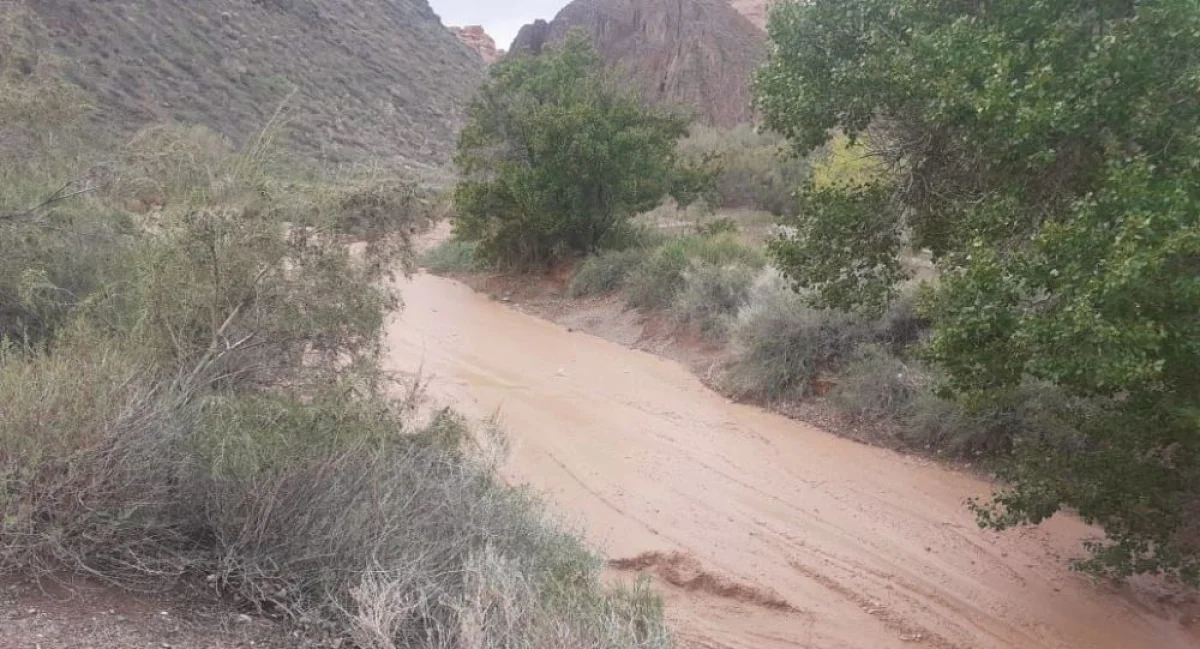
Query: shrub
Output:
(717,227)
(782,344)
(756,168)
(718,250)
(453,256)
(654,283)
(605,272)
(331,508)
(712,296)
(878,386)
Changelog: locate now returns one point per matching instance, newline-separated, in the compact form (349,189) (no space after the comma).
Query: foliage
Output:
(876,385)
(453,256)
(754,168)
(1046,153)
(605,272)
(656,282)
(842,162)
(189,373)
(712,295)
(555,158)
(782,343)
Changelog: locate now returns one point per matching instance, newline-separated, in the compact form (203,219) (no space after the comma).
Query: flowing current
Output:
(761,531)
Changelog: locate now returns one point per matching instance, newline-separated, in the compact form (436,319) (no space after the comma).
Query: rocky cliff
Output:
(479,40)
(692,55)
(362,79)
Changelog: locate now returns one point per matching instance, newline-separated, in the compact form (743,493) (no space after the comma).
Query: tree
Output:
(555,158)
(1047,154)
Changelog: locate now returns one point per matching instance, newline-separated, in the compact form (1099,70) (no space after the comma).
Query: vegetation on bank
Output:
(1046,192)
(189,349)
(1046,154)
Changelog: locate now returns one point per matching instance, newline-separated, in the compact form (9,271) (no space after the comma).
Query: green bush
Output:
(605,272)
(655,282)
(556,157)
(453,256)
(712,296)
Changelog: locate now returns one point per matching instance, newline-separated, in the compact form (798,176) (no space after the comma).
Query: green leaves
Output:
(1046,153)
(556,158)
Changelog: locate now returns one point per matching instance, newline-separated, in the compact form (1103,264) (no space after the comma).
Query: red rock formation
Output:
(696,56)
(479,40)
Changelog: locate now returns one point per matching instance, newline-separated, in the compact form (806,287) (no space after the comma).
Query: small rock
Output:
(243,618)
(121,618)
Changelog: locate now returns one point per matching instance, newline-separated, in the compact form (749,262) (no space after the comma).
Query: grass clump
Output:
(606,272)
(453,256)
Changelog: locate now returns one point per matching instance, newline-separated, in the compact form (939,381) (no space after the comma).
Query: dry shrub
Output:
(88,449)
(332,508)
(758,169)
(1034,412)
(605,272)
(712,296)
(879,386)
(782,344)
(655,283)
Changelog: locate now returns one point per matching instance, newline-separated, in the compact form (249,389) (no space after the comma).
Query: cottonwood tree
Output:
(556,158)
(1048,154)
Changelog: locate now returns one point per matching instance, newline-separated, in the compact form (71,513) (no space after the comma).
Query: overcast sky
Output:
(501,19)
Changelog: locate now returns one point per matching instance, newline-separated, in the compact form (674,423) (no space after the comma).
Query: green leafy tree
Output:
(1048,154)
(555,159)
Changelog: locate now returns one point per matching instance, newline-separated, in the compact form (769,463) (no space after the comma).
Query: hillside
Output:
(695,55)
(371,78)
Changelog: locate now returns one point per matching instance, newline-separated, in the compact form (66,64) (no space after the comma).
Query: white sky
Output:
(501,18)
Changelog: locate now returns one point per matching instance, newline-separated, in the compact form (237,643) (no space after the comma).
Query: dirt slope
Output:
(690,55)
(764,532)
(372,78)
